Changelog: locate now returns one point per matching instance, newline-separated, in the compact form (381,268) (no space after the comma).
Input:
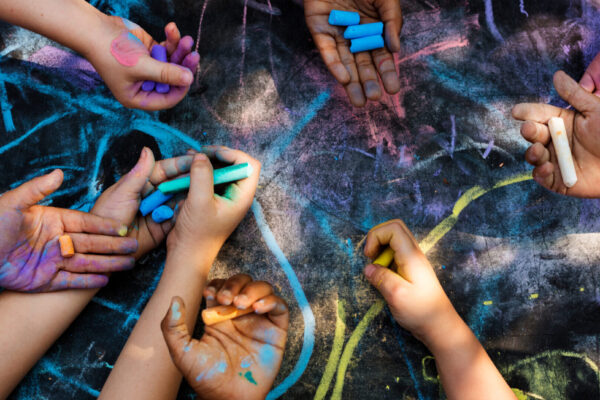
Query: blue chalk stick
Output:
(366,43)
(161,214)
(153,201)
(343,18)
(358,31)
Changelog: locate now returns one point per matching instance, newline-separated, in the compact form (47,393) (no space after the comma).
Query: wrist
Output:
(200,255)
(445,331)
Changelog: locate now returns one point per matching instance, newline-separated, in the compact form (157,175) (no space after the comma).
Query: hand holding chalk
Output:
(35,253)
(569,165)
(244,367)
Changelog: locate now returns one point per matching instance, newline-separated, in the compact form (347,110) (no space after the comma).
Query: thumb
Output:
(391,15)
(201,179)
(571,92)
(163,72)
(175,332)
(33,191)
(385,281)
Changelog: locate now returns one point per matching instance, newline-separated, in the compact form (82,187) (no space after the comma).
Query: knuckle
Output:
(164,74)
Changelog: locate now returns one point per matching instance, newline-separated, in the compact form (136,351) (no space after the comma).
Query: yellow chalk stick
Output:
(217,314)
(66,246)
(385,258)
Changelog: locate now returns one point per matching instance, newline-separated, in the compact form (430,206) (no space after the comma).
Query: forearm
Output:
(144,369)
(72,23)
(36,320)
(465,369)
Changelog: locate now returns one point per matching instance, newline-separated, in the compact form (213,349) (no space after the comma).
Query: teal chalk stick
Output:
(222,175)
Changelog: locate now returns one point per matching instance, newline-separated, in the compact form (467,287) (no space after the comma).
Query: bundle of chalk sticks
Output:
(363,37)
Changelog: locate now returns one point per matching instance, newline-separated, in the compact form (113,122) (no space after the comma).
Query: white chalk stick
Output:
(563,151)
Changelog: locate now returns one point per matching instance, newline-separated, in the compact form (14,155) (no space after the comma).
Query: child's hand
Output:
(364,68)
(583,130)
(591,78)
(206,220)
(414,294)
(30,258)
(122,58)
(238,358)
(121,201)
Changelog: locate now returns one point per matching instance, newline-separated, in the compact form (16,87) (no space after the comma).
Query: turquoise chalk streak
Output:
(228,174)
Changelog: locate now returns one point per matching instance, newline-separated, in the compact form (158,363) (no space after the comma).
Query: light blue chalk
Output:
(358,31)
(228,174)
(161,214)
(153,201)
(366,43)
(343,18)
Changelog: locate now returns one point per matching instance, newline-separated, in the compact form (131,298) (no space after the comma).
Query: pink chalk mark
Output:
(126,50)
(243,43)
(198,38)
(435,48)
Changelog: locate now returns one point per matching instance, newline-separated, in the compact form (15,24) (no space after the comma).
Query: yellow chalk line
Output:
(426,244)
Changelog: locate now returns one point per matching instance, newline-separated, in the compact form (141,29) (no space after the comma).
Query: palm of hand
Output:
(365,8)
(247,351)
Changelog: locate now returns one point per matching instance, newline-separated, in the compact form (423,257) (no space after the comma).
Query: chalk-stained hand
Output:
(591,77)
(122,200)
(206,220)
(234,359)
(583,130)
(414,294)
(122,58)
(360,72)
(30,258)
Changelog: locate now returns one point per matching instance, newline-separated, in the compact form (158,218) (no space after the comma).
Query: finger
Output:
(136,180)
(191,61)
(328,47)
(535,132)
(574,94)
(101,244)
(276,309)
(544,175)
(535,112)
(29,193)
(391,15)
(587,82)
(183,49)
(232,287)
(353,89)
(385,281)
(78,221)
(250,293)
(177,336)
(591,79)
(82,263)
(368,75)
(172,36)
(210,292)
(67,280)
(387,70)
(170,168)
(202,189)
(537,155)
(162,72)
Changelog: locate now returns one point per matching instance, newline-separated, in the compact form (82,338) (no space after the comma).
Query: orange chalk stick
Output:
(217,314)
(66,246)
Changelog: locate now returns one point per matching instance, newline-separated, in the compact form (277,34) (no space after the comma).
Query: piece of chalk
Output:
(385,258)
(154,201)
(161,214)
(343,18)
(366,43)
(66,246)
(228,174)
(159,53)
(217,314)
(563,151)
(148,86)
(358,31)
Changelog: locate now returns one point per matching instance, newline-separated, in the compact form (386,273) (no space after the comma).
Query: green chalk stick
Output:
(222,175)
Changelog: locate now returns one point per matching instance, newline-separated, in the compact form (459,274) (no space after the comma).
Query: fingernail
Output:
(187,77)
(240,301)
(200,157)
(226,294)
(369,269)
(212,292)
(122,231)
(144,154)
(131,245)
(130,263)
(280,307)
(195,54)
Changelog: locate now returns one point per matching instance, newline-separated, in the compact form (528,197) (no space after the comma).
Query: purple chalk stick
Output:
(148,86)
(159,53)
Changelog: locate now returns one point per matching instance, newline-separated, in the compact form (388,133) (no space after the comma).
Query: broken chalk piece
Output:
(358,31)
(563,151)
(228,174)
(66,246)
(148,86)
(385,258)
(217,314)
(159,53)
(154,201)
(366,43)
(161,214)
(343,18)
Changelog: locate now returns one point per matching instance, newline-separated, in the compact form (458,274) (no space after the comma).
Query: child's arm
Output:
(234,359)
(359,73)
(39,319)
(144,369)
(117,48)
(583,130)
(418,302)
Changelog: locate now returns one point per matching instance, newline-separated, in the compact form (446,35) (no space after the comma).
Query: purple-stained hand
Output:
(30,258)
